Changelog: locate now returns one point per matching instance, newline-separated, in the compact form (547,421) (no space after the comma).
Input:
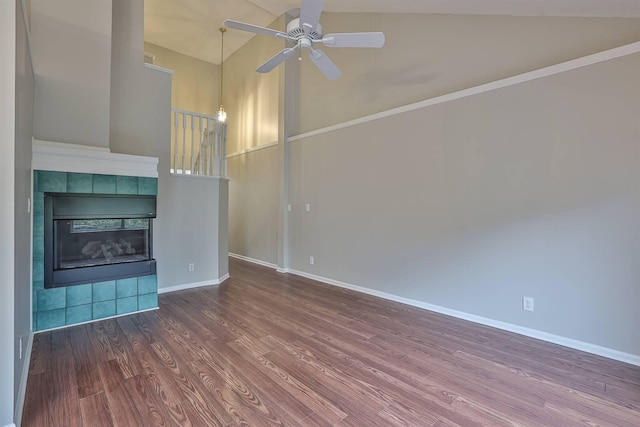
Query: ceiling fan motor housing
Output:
(295,31)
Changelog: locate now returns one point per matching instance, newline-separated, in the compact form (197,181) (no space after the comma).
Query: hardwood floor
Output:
(271,349)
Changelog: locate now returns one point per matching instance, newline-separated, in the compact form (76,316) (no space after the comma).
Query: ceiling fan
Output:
(306,33)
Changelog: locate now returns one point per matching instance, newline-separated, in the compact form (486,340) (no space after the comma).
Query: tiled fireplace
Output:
(96,297)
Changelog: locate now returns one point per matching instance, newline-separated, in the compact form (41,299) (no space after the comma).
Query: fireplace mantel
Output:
(55,156)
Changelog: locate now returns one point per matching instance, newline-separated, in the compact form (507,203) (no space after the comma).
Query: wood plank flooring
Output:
(273,349)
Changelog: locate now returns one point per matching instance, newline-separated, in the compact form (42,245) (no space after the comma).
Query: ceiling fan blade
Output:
(236,25)
(353,40)
(276,60)
(310,12)
(325,64)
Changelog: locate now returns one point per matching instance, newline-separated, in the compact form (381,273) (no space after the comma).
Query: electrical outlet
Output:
(308,207)
(312,260)
(289,208)
(20,350)
(527,303)
(192,267)
(29,205)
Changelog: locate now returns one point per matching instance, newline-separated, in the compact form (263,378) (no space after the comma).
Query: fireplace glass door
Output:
(91,238)
(93,242)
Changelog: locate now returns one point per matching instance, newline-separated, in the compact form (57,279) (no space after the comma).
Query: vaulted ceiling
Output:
(191,26)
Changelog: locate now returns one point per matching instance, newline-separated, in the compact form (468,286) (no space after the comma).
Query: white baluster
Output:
(212,125)
(193,136)
(175,142)
(184,141)
(201,137)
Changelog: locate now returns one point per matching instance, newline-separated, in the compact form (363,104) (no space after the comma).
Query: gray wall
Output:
(71,42)
(7,213)
(425,56)
(252,103)
(530,190)
(473,204)
(250,98)
(195,83)
(223,228)
(186,230)
(22,231)
(254,198)
(430,55)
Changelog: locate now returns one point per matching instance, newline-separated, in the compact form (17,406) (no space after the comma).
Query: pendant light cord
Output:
(222,31)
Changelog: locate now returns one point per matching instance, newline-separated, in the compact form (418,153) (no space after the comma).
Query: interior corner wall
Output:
(251,98)
(252,104)
(195,83)
(186,229)
(223,228)
(253,204)
(8,16)
(71,44)
(530,190)
(24,92)
(430,55)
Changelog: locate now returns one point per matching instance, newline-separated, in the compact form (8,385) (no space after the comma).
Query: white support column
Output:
(287,117)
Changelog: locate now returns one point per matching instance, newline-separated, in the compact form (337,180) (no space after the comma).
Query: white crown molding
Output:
(585,61)
(213,282)
(60,157)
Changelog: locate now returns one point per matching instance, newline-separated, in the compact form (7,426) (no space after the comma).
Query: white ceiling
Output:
(191,26)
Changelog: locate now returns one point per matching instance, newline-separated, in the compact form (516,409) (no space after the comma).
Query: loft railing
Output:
(198,144)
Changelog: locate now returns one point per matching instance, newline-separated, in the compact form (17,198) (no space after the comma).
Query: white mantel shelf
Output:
(55,156)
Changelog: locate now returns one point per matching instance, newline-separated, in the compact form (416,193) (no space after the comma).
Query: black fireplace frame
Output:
(62,206)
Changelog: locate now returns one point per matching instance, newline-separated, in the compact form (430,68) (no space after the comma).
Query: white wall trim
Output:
(155,67)
(253,150)
(55,156)
(182,287)
(22,387)
(255,261)
(533,333)
(10,425)
(585,61)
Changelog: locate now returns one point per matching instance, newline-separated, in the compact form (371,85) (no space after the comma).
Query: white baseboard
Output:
(175,288)
(255,261)
(22,387)
(10,425)
(533,333)
(620,356)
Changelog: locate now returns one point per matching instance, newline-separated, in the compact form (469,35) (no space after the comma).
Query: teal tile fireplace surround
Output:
(65,306)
